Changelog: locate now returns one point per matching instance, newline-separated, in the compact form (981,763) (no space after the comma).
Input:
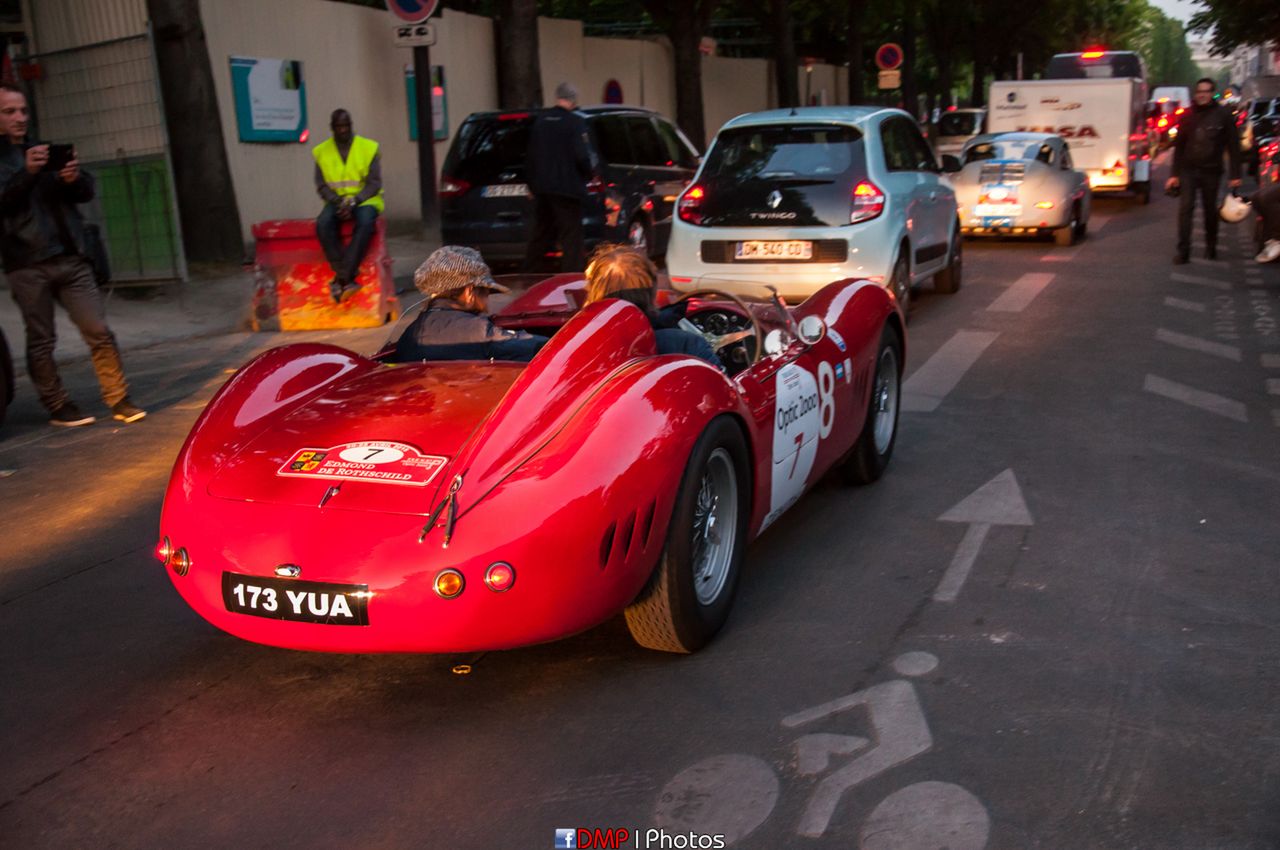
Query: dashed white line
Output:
(1023,291)
(1181,304)
(1195,343)
(929,385)
(1199,280)
(1201,261)
(1207,401)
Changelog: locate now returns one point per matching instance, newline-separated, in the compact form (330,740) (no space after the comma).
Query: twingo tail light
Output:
(453,187)
(689,207)
(868,202)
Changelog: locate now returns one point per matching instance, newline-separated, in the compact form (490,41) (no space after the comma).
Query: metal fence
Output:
(105,99)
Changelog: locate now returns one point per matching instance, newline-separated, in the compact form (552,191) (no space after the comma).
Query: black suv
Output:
(643,163)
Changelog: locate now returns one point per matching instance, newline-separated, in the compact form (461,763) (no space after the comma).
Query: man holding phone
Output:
(42,248)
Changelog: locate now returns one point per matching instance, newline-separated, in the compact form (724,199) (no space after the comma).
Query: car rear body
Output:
(1019,184)
(643,163)
(795,198)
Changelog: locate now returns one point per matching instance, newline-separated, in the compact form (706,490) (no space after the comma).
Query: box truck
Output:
(1102,119)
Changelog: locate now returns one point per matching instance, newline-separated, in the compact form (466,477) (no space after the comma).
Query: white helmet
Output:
(1234,209)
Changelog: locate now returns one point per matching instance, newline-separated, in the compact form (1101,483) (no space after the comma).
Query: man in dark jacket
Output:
(455,325)
(42,248)
(1205,133)
(557,169)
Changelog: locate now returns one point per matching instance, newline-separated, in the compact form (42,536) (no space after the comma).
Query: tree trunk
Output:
(857,10)
(685,21)
(206,197)
(519,71)
(910,100)
(784,54)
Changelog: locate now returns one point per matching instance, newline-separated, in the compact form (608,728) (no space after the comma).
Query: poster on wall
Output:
(439,103)
(271,99)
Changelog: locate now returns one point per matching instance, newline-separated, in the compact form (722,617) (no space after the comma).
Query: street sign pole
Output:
(426,141)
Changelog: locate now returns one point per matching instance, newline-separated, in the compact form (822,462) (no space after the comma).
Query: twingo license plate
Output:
(299,601)
(505,190)
(791,250)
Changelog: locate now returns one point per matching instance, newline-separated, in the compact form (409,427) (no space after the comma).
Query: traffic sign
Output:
(889,57)
(412,11)
(891,79)
(416,35)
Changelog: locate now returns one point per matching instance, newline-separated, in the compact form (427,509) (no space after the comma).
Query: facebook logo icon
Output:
(564,839)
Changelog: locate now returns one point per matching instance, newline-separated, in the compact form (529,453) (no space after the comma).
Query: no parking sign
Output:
(412,11)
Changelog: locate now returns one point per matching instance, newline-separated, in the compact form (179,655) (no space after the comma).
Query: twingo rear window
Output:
(1108,65)
(784,153)
(487,146)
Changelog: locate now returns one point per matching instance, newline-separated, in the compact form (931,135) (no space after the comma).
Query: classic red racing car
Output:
(329,501)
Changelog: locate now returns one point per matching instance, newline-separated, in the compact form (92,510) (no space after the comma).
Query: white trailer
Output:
(1103,120)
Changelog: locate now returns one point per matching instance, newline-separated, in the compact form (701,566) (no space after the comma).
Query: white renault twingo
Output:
(797,198)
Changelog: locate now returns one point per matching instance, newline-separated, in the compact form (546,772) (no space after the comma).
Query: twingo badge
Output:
(376,461)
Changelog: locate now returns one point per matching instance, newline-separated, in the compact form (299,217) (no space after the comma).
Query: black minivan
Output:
(643,162)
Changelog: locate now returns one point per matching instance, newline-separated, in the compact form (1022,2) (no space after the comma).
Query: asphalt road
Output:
(1052,624)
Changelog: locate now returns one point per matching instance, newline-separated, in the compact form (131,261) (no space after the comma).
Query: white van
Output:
(1102,119)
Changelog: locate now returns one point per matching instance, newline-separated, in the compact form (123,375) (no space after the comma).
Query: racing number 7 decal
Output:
(796,457)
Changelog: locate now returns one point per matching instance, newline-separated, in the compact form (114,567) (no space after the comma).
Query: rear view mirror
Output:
(812,330)
(950,164)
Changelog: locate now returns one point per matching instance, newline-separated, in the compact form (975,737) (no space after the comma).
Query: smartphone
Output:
(59,156)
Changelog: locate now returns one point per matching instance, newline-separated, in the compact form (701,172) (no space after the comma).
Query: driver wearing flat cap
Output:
(455,324)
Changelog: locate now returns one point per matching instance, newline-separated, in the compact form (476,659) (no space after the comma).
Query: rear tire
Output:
(688,597)
(900,283)
(1065,237)
(871,453)
(948,280)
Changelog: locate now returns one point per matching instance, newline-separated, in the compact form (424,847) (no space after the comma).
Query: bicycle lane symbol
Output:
(735,794)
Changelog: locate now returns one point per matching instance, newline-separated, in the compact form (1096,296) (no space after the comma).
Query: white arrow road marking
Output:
(1212,402)
(1195,343)
(929,385)
(1198,280)
(998,502)
(1180,304)
(927,814)
(1016,298)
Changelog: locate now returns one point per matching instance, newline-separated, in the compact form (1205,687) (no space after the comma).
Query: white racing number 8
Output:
(826,398)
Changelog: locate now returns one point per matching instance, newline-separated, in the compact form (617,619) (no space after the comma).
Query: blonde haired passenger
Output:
(620,271)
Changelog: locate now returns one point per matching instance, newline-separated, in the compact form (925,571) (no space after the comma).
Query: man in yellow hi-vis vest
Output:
(349,179)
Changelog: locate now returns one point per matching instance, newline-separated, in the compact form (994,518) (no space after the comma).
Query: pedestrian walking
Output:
(1206,132)
(557,169)
(348,177)
(43,251)
(1266,201)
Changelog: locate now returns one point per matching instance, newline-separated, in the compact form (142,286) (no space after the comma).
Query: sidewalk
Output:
(202,307)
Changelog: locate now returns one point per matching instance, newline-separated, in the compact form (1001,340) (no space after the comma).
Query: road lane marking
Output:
(1273,386)
(1201,281)
(1207,401)
(1097,222)
(1271,361)
(1016,298)
(998,502)
(930,384)
(1201,261)
(1195,343)
(1059,257)
(1181,304)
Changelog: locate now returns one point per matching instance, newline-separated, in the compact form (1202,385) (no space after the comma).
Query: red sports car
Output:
(330,501)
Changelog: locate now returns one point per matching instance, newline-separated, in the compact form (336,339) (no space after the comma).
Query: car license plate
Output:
(506,190)
(300,601)
(998,210)
(791,250)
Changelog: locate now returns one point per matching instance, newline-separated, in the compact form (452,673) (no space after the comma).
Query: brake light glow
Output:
(452,187)
(1092,54)
(1163,122)
(513,116)
(164,550)
(689,207)
(868,202)
(595,185)
(1179,111)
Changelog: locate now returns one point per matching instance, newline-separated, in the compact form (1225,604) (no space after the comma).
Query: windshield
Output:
(1079,66)
(784,152)
(1025,149)
(960,124)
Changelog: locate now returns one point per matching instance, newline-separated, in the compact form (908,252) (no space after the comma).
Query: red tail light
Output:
(1163,122)
(513,116)
(452,187)
(868,202)
(595,185)
(1179,111)
(689,207)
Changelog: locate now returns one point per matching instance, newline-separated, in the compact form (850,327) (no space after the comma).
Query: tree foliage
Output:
(1239,22)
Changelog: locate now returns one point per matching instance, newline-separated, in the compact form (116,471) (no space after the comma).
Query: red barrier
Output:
(291,281)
